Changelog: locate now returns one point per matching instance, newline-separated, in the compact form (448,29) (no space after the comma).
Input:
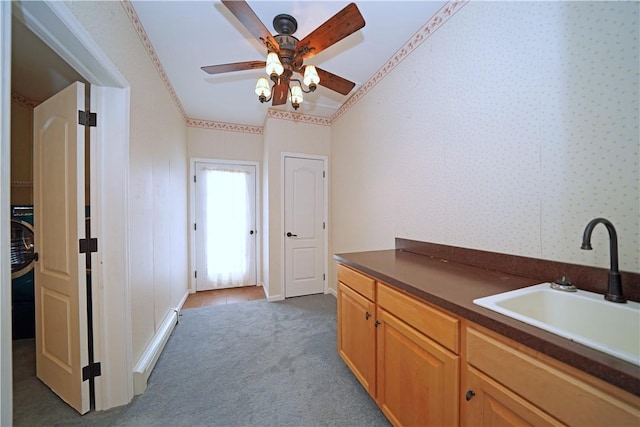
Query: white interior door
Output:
(304,226)
(225,227)
(60,273)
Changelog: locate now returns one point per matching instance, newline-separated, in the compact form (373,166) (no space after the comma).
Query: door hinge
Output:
(195,274)
(323,225)
(194,226)
(194,178)
(91,371)
(88,245)
(324,277)
(323,174)
(86,118)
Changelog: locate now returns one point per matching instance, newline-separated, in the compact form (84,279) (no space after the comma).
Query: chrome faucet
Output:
(614,288)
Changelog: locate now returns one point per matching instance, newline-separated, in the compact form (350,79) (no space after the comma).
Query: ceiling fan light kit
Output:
(286,53)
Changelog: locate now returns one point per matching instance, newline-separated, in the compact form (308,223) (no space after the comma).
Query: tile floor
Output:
(224,296)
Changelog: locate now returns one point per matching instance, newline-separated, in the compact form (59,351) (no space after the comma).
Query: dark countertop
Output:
(453,287)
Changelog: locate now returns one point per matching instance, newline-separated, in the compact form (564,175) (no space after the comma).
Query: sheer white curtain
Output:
(227,227)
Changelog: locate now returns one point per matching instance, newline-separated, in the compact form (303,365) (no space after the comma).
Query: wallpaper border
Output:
(439,18)
(435,23)
(24,101)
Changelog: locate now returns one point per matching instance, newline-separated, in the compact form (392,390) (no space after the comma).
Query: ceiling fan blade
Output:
(333,82)
(250,20)
(346,22)
(235,66)
(279,94)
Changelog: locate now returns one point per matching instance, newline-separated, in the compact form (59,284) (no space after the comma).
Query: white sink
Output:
(583,317)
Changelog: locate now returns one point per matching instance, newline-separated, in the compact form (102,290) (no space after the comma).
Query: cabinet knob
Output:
(469,395)
(367,315)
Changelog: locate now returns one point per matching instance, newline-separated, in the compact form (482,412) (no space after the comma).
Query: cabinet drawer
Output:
(360,283)
(434,323)
(565,396)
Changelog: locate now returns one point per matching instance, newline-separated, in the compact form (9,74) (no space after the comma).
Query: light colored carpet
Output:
(247,364)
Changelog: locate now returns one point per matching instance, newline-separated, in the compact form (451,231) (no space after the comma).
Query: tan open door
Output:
(60,273)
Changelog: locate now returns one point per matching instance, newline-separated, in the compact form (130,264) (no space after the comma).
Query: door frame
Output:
(6,375)
(192,215)
(54,23)
(325,232)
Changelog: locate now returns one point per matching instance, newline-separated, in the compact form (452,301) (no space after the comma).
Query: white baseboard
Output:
(147,361)
(184,299)
(333,292)
(275,298)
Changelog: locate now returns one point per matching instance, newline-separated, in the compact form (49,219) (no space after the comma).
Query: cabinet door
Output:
(490,404)
(356,335)
(417,378)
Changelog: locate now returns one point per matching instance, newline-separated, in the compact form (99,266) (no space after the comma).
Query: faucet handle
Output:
(563,284)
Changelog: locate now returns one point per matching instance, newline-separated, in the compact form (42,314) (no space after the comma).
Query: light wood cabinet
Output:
(508,384)
(417,379)
(425,366)
(400,349)
(356,327)
(491,404)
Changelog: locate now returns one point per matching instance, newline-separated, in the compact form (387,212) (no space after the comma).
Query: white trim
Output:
(325,166)
(60,30)
(147,361)
(333,292)
(181,303)
(192,215)
(6,380)
(110,217)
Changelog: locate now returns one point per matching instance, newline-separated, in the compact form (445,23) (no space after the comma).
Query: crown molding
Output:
(435,23)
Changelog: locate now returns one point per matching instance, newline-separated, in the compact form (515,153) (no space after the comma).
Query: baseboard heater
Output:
(150,355)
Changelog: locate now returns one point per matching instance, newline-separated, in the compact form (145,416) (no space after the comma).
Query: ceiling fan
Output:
(286,54)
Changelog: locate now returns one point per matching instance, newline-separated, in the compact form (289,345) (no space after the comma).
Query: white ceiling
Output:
(187,35)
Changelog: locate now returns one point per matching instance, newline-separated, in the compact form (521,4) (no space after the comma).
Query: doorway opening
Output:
(52,26)
(225,233)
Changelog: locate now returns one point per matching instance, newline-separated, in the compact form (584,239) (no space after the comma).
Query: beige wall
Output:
(224,145)
(283,136)
(21,154)
(158,169)
(507,130)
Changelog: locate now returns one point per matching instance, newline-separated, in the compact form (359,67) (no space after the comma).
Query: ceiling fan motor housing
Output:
(285,24)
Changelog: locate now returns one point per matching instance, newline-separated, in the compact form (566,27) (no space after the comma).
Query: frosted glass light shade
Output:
(310,75)
(296,94)
(273,64)
(262,88)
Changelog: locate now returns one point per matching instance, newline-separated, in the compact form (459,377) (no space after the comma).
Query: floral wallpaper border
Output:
(232,127)
(442,16)
(144,38)
(24,101)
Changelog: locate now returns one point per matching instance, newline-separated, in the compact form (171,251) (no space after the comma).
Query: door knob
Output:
(291,235)
(251,232)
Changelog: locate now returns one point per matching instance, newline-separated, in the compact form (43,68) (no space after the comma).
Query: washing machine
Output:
(22,272)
